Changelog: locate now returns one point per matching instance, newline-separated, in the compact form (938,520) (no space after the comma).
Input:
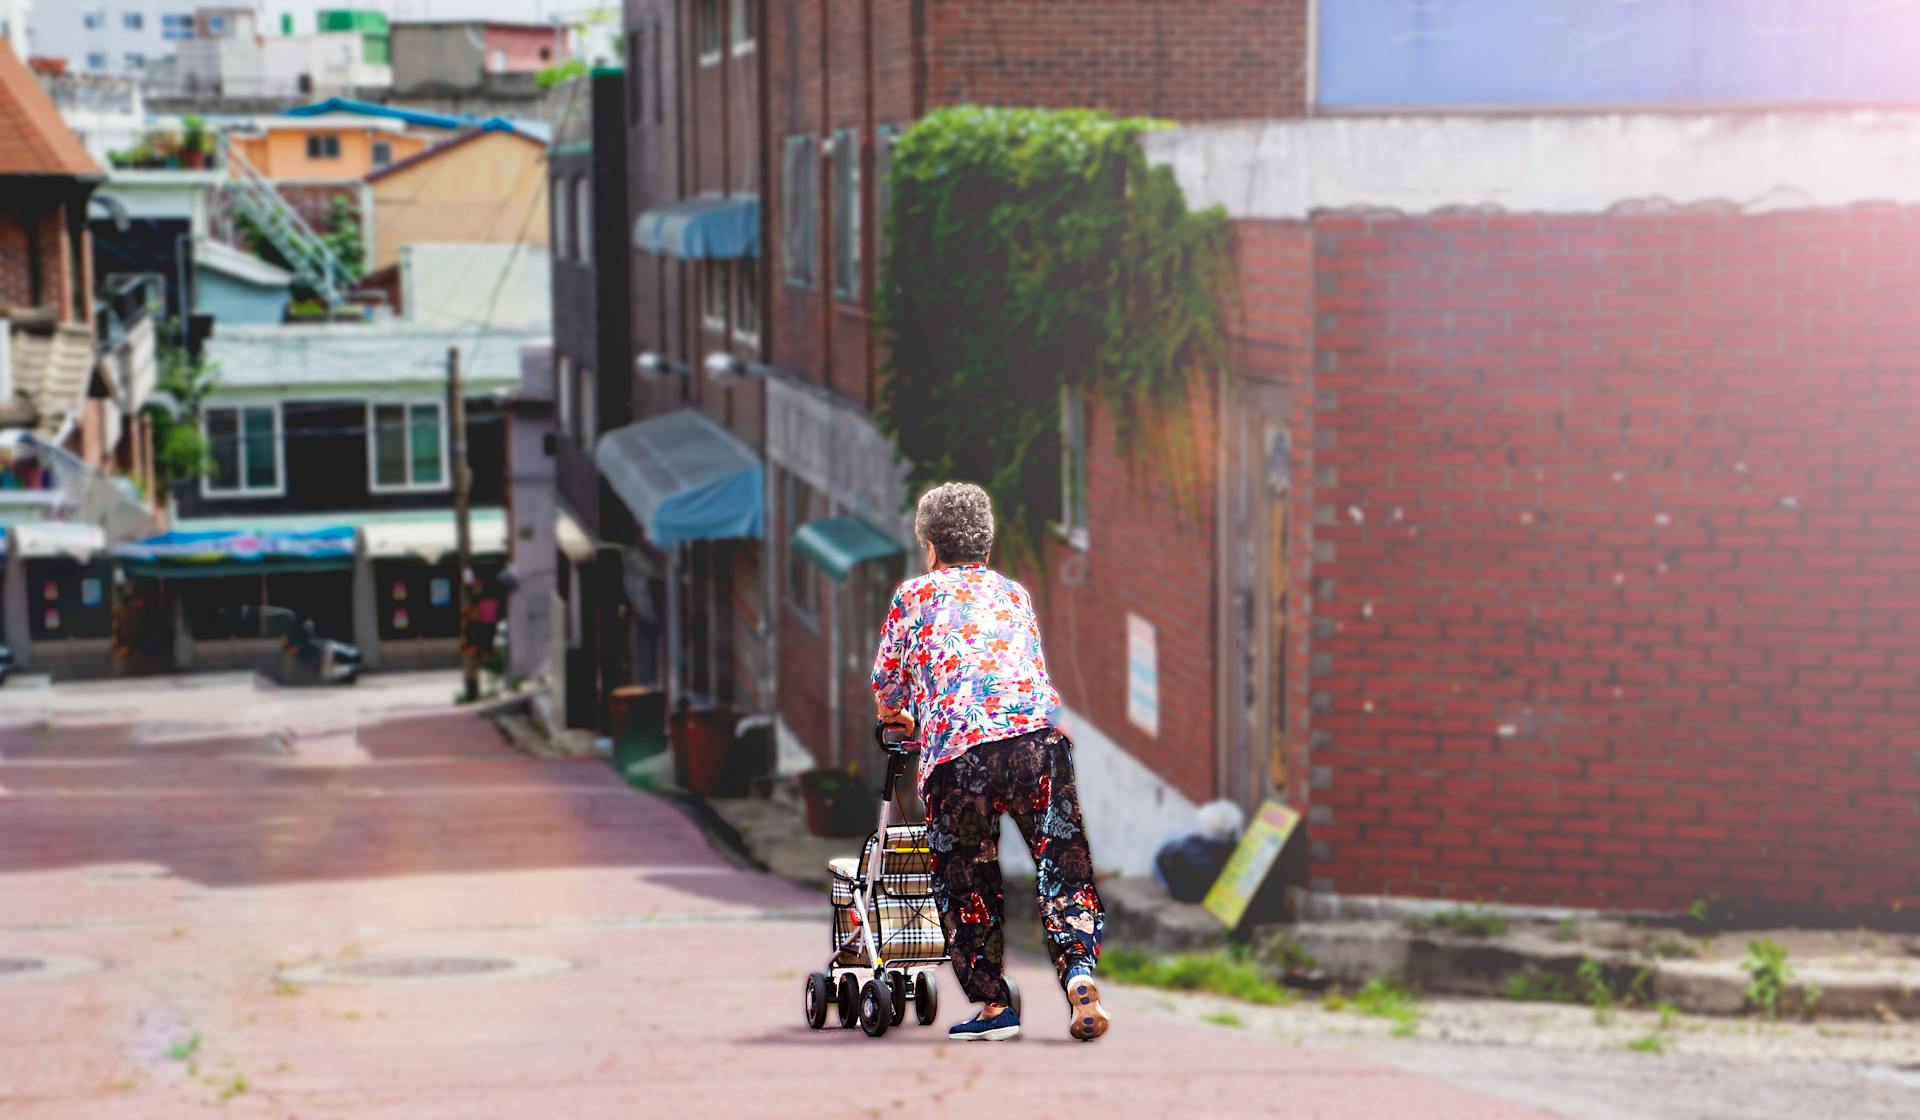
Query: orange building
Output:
(487,186)
(332,146)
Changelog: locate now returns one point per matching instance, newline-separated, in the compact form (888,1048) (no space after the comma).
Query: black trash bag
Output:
(1188,865)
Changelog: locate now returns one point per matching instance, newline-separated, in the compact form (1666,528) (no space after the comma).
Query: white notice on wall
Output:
(1143,676)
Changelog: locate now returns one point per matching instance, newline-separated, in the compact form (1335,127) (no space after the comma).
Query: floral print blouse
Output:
(961,651)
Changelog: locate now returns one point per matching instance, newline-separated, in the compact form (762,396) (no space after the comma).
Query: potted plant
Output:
(196,143)
(837,803)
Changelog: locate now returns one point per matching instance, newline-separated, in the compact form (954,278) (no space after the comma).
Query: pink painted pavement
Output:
(197,842)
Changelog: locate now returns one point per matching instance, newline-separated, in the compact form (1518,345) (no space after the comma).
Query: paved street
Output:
(221,900)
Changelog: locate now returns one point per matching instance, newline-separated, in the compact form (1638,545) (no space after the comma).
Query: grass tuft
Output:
(1220,973)
(1223,1019)
(181,1051)
(1468,921)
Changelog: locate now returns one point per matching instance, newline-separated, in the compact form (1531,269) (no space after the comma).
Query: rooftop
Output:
(272,360)
(33,138)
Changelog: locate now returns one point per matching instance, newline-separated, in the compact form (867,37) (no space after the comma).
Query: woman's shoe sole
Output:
(1089,1018)
(997,1034)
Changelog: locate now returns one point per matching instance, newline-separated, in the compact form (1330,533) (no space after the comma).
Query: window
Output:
(563,393)
(93,21)
(382,153)
(659,96)
(589,397)
(498,58)
(802,504)
(846,215)
(559,198)
(707,26)
(135,60)
(799,178)
(96,60)
(323,147)
(746,19)
(713,295)
(636,49)
(1073,465)
(132,21)
(217,25)
(746,300)
(244,443)
(546,54)
(406,447)
(176,28)
(583,217)
(884,138)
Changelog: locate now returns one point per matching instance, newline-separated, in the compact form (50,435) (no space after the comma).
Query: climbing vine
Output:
(1031,250)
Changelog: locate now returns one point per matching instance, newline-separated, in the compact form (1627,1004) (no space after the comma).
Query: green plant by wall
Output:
(1032,250)
(180,449)
(342,236)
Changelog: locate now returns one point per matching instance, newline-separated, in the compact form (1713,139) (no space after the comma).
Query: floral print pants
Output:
(1031,777)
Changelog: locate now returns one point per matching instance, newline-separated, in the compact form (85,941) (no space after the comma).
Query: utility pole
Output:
(463,532)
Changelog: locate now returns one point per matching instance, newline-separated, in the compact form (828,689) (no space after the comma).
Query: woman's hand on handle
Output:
(898,717)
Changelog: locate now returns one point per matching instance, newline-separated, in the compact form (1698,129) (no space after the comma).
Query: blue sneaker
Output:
(1002,1026)
(1083,1002)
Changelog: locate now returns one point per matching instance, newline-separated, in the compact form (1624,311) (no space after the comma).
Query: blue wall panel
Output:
(1436,53)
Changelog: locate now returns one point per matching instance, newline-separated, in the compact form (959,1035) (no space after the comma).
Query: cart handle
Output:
(894,739)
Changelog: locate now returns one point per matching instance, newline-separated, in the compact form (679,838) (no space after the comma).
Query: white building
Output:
(118,36)
(13,25)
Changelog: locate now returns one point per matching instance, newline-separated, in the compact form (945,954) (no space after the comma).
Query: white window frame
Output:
(374,485)
(208,488)
(706,15)
(563,396)
(799,210)
(711,273)
(560,198)
(1072,525)
(583,217)
(743,34)
(846,263)
(745,279)
(884,138)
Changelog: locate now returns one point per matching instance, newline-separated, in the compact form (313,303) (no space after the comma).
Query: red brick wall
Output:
(16,268)
(1217,60)
(1618,593)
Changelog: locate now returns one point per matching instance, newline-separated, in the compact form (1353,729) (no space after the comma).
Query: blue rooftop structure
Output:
(420,118)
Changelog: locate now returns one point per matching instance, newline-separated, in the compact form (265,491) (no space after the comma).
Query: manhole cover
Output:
(415,968)
(423,970)
(28,970)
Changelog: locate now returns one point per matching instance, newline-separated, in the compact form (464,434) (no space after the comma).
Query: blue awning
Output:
(684,477)
(710,227)
(838,545)
(210,550)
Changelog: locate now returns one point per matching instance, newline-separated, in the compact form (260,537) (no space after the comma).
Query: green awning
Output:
(837,545)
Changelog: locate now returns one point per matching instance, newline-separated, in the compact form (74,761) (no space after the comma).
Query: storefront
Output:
(408,572)
(58,598)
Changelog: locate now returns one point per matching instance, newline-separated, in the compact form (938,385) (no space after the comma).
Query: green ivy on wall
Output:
(1031,250)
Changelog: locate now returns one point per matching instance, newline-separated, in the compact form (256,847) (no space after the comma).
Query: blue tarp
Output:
(226,546)
(710,227)
(685,478)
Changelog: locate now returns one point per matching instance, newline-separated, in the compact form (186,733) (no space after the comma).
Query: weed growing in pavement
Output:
(1287,953)
(1221,973)
(1768,975)
(1530,988)
(1388,997)
(1655,1043)
(1469,921)
(1666,947)
(1566,929)
(181,1051)
(1595,990)
(285,987)
(235,1087)
(1223,1019)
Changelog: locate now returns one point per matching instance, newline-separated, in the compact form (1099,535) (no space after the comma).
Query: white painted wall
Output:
(455,284)
(57,29)
(1760,161)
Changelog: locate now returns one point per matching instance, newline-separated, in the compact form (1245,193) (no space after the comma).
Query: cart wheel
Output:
(876,1007)
(819,994)
(897,984)
(1011,991)
(926,999)
(849,1000)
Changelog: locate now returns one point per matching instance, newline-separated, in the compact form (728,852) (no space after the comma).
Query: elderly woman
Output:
(960,657)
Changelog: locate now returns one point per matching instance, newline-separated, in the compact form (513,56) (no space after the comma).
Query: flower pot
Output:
(700,741)
(837,804)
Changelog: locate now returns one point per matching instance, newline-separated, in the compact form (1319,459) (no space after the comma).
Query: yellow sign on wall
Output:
(1247,868)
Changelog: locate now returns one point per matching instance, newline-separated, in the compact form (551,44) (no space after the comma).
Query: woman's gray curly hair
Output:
(956,518)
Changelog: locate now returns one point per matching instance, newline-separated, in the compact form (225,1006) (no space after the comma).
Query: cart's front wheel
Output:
(876,1007)
(849,1000)
(1012,992)
(926,999)
(819,994)
(897,984)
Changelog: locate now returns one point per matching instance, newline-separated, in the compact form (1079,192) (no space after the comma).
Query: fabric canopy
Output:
(433,538)
(40,539)
(684,477)
(837,545)
(227,546)
(710,227)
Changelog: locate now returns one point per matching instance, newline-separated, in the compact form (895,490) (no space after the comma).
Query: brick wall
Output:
(1218,60)
(56,257)
(1617,594)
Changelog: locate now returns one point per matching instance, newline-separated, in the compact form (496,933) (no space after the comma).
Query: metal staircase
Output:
(253,196)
